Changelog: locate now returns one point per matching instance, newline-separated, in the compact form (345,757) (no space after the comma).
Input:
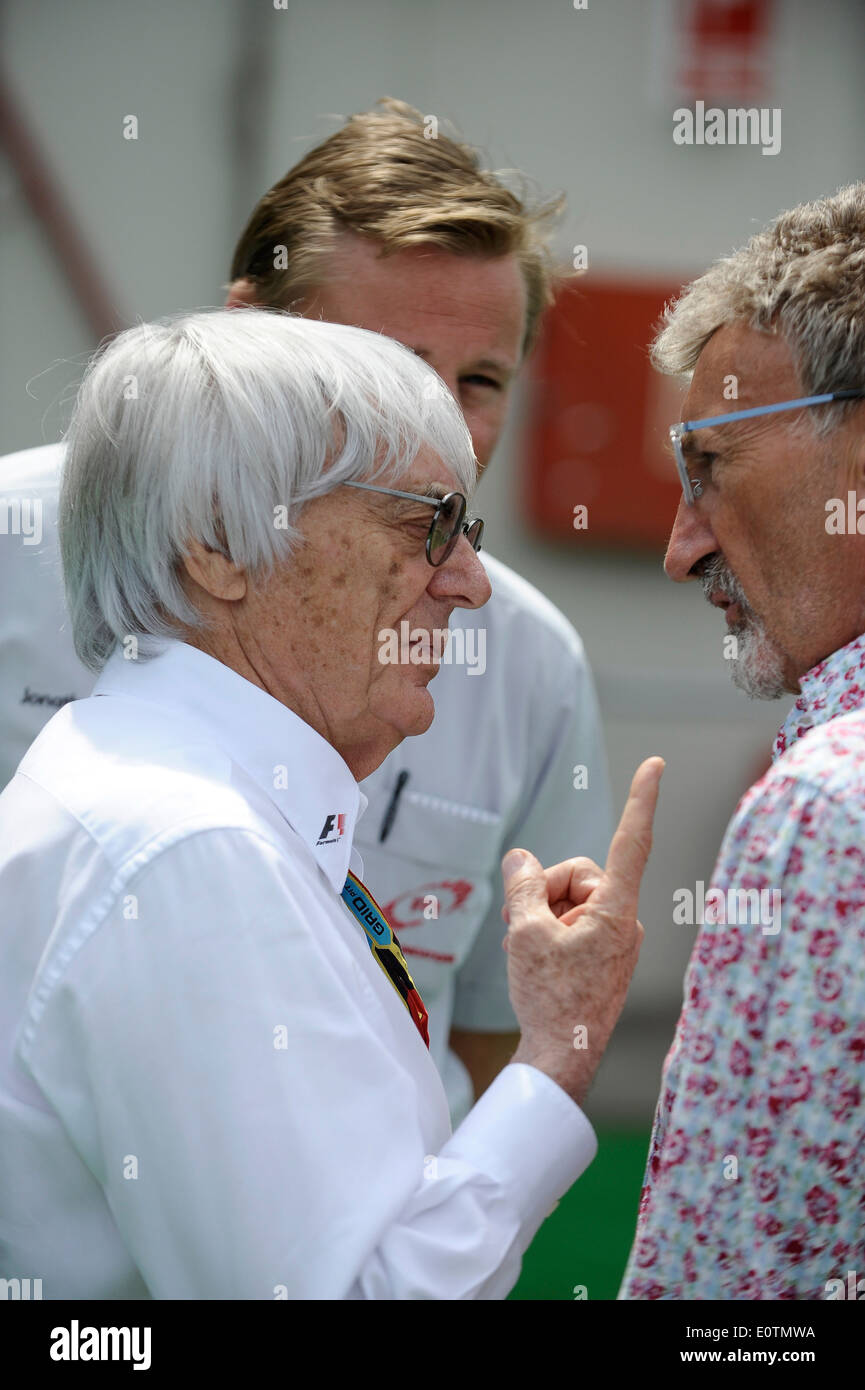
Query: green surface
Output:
(588,1238)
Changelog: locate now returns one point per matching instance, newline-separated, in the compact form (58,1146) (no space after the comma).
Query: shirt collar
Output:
(831,688)
(302,774)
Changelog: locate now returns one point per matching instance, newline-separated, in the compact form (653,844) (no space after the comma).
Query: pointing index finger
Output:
(632,842)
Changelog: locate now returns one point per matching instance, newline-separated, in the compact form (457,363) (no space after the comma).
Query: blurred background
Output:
(100,230)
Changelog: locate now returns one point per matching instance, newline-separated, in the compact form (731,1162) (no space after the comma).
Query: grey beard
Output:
(758,667)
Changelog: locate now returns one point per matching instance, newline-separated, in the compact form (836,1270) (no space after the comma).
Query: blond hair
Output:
(388,175)
(803,276)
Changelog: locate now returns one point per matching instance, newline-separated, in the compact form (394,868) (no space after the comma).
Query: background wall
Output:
(229,93)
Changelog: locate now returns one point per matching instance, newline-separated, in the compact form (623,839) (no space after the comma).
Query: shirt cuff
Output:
(530,1137)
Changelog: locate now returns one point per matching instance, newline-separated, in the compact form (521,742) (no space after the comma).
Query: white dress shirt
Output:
(496,768)
(208,1086)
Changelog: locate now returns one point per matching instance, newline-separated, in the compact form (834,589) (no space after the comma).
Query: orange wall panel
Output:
(599,418)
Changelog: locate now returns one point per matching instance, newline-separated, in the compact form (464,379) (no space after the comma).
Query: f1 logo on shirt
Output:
(327,837)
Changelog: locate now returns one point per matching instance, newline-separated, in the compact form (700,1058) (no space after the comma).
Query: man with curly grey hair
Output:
(757,1164)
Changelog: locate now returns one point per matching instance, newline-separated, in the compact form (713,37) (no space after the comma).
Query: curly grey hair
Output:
(803,276)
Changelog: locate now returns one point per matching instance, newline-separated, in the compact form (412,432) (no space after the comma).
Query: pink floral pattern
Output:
(755,1182)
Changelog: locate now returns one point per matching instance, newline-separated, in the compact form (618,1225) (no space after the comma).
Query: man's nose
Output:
(692,538)
(462,578)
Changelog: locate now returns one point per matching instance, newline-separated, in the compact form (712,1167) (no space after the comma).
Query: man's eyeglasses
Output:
(693,490)
(448,523)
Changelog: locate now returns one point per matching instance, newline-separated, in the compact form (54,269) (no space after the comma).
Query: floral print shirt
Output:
(755,1183)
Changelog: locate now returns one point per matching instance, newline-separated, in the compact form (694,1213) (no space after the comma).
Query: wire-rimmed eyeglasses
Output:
(448,523)
(693,490)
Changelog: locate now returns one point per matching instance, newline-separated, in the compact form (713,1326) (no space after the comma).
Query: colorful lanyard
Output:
(385,947)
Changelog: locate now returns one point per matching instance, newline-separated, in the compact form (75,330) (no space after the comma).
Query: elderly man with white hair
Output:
(384,229)
(216,1075)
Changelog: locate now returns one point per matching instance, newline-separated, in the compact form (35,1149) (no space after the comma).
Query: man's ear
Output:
(243,294)
(214,572)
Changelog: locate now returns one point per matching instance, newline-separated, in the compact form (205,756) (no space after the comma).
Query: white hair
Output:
(202,427)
